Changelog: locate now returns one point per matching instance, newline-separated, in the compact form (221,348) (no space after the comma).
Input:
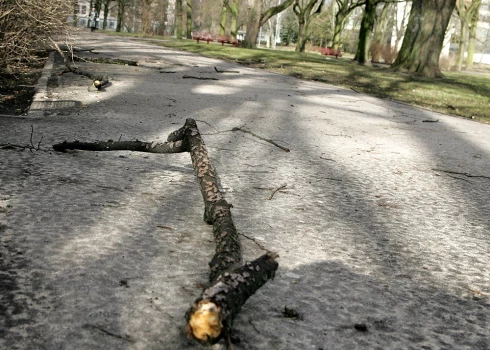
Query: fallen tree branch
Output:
(98,81)
(106,60)
(260,137)
(199,78)
(225,71)
(211,316)
(140,146)
(459,173)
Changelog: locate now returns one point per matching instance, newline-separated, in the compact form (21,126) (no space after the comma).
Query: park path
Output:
(383,228)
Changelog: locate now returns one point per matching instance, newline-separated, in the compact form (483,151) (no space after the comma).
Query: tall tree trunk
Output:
(338,29)
(302,36)
(380,30)
(120,14)
(189,19)
(472,38)
(253,25)
(222,18)
(178,19)
(463,33)
(367,26)
(424,37)
(234,6)
(106,13)
(257,19)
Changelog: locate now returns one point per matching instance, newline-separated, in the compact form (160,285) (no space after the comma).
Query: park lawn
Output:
(462,94)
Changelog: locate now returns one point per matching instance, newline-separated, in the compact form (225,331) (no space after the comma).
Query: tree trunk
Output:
(91,4)
(178,19)
(463,32)
(253,25)
(424,37)
(472,38)
(301,43)
(367,25)
(189,19)
(234,7)
(379,36)
(338,29)
(120,15)
(106,13)
(257,19)
(222,19)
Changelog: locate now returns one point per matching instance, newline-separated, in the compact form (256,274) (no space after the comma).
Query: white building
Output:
(84,14)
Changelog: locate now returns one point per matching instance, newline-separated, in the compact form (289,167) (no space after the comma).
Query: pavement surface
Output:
(383,228)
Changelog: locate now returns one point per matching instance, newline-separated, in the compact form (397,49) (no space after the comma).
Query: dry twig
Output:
(260,137)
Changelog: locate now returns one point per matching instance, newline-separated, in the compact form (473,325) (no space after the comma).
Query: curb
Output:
(38,104)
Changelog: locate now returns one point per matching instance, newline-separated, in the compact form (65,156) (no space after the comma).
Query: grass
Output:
(465,94)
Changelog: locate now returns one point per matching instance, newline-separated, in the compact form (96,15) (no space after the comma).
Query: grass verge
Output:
(465,94)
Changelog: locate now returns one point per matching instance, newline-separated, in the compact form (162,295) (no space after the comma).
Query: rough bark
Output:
(257,19)
(380,31)
(424,37)
(367,26)
(222,18)
(121,7)
(178,19)
(234,7)
(472,38)
(140,146)
(211,316)
(189,20)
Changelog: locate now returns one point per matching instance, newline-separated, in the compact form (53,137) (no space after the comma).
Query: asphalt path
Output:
(382,226)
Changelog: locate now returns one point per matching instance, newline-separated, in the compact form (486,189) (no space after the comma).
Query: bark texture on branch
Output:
(140,146)
(211,316)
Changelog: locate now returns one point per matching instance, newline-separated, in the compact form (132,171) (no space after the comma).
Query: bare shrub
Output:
(389,54)
(376,49)
(26,26)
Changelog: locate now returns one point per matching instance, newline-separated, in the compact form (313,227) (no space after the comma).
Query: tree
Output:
(472,38)
(178,18)
(305,10)
(367,26)
(467,11)
(189,20)
(424,37)
(345,7)
(257,18)
(380,30)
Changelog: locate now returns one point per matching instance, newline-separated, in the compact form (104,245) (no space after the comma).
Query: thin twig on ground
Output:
(275,190)
(198,78)
(105,331)
(460,173)
(260,137)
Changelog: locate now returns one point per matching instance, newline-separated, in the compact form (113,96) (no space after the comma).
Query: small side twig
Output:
(253,240)
(105,331)
(275,190)
(205,122)
(260,137)
(459,173)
